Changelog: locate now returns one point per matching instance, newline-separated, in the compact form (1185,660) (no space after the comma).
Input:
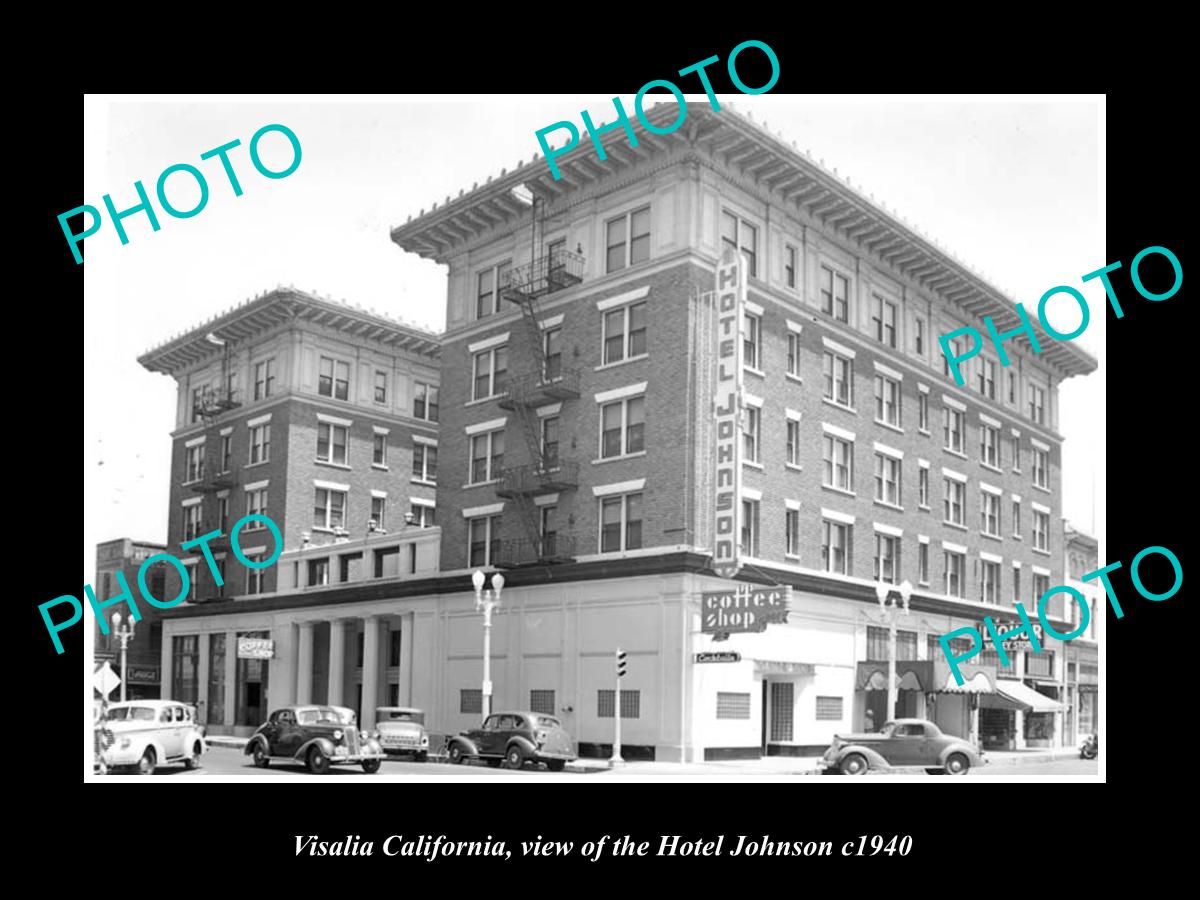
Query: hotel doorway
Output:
(778,713)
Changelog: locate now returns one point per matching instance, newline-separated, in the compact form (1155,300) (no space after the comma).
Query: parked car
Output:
(513,739)
(901,744)
(402,730)
(1090,747)
(148,734)
(318,736)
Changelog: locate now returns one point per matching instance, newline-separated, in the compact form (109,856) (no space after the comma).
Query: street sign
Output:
(255,648)
(744,608)
(724,656)
(106,680)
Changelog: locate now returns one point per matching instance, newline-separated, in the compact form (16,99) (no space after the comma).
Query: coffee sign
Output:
(745,608)
(255,648)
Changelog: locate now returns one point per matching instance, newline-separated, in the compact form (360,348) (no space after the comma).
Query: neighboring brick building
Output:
(1082,675)
(577,451)
(143,650)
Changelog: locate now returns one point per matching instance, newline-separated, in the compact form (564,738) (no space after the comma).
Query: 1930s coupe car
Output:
(148,734)
(513,739)
(402,730)
(901,744)
(318,736)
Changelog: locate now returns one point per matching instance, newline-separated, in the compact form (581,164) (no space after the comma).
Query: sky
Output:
(1013,187)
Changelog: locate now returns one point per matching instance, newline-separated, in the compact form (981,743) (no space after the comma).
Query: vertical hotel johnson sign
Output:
(727,404)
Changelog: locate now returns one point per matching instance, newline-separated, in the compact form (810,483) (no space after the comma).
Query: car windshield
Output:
(325,715)
(547,722)
(396,715)
(131,713)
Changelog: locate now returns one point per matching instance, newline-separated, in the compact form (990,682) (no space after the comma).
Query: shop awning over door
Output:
(928,675)
(1015,695)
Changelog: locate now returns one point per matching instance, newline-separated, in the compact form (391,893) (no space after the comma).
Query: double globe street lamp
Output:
(485,602)
(124,634)
(882,592)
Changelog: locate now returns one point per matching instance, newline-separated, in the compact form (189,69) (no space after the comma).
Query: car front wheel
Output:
(854,764)
(371,766)
(957,764)
(193,758)
(260,756)
(148,761)
(455,754)
(515,757)
(318,762)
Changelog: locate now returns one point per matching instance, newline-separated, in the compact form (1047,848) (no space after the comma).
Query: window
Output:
(955,350)
(549,530)
(1040,663)
(260,444)
(835,290)
(621,523)
(987,378)
(624,333)
(394,642)
(733,706)
(329,509)
(839,463)
(541,702)
(835,547)
(264,379)
(1016,592)
(989,445)
(195,463)
(484,537)
(791,528)
(552,350)
(887,479)
(226,452)
(628,240)
(1037,404)
(958,646)
(887,400)
(793,443)
(331,443)
(1041,584)
(989,581)
(1016,517)
(923,412)
(223,513)
(829,709)
(470,700)
(952,429)
(883,318)
(490,373)
(789,265)
(487,456)
(879,644)
(919,336)
(623,427)
(191,521)
(751,434)
(318,571)
(1041,530)
(1041,468)
(1012,387)
(197,394)
(381,386)
(255,578)
(793,354)
(752,342)
(923,563)
(750,527)
(491,284)
(989,505)
(631,703)
(256,505)
(379,512)
(424,462)
(839,379)
(185,669)
(887,558)
(422,515)
(379,450)
(425,401)
(740,234)
(334,379)
(923,487)
(549,429)
(956,571)
(955,502)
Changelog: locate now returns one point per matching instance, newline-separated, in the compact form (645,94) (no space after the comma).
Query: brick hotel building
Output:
(575,452)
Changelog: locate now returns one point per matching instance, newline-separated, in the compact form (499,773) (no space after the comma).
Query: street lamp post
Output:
(882,590)
(485,602)
(124,635)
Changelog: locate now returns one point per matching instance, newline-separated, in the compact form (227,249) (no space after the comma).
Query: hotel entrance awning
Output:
(1015,695)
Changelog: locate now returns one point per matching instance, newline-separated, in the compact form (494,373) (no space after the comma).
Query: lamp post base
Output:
(615,762)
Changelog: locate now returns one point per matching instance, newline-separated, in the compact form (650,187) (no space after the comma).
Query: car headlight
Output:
(424,740)
(337,735)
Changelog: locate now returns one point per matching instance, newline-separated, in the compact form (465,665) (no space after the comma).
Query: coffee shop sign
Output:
(255,648)
(744,608)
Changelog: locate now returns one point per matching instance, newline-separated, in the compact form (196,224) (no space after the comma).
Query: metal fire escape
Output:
(545,381)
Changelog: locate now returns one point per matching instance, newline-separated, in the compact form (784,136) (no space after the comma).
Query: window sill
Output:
(262,462)
(838,490)
(795,378)
(887,505)
(1040,551)
(889,426)
(991,468)
(924,508)
(753,465)
(424,481)
(1017,537)
(957,453)
(927,433)
(849,409)
(922,583)
(621,362)
(608,459)
(380,466)
(481,484)
(193,481)
(482,400)
(757,373)
(1044,490)
(332,465)
(795,467)
(950,524)
(992,537)
(793,556)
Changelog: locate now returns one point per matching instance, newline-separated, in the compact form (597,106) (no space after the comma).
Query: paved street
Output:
(224,761)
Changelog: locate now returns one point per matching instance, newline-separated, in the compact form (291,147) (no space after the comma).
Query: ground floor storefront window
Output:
(251,686)
(185,662)
(997,728)
(216,679)
(1087,712)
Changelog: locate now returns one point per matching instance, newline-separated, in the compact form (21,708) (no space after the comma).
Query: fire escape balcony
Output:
(533,480)
(216,481)
(537,390)
(551,549)
(214,403)
(553,271)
